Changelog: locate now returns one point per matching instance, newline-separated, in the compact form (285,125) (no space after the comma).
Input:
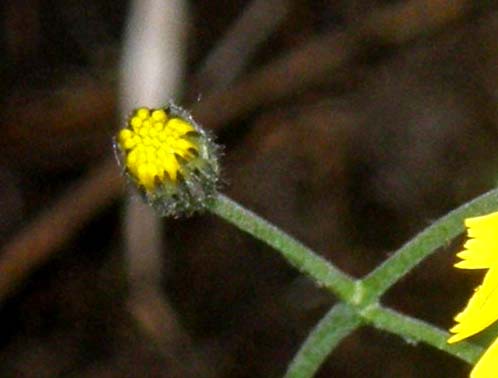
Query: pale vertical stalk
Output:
(152,68)
(154,53)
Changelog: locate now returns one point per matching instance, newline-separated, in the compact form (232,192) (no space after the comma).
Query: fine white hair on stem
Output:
(151,74)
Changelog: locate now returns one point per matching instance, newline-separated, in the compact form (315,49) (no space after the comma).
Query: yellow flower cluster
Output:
(170,158)
(480,252)
(155,145)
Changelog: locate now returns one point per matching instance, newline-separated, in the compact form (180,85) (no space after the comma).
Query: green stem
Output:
(324,273)
(338,323)
(361,296)
(414,330)
(343,319)
(425,243)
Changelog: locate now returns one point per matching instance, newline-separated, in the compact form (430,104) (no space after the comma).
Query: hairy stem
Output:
(424,244)
(338,323)
(414,331)
(324,273)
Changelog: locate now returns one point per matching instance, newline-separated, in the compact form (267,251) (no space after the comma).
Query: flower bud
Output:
(170,159)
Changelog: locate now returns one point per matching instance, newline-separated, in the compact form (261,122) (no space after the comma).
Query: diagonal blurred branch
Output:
(57,224)
(231,55)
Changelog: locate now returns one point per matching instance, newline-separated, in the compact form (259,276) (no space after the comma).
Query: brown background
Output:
(389,123)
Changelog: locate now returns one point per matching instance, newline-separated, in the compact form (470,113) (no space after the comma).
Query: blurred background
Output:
(350,124)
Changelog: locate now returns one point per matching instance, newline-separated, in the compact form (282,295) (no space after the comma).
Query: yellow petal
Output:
(142,113)
(482,225)
(171,166)
(136,123)
(481,311)
(481,250)
(124,136)
(487,367)
(179,126)
(146,175)
(182,147)
(159,115)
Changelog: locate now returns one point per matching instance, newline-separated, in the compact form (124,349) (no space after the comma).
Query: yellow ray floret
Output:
(486,366)
(480,252)
(152,143)
(480,312)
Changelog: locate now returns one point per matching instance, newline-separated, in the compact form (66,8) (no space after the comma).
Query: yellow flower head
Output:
(170,158)
(480,252)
